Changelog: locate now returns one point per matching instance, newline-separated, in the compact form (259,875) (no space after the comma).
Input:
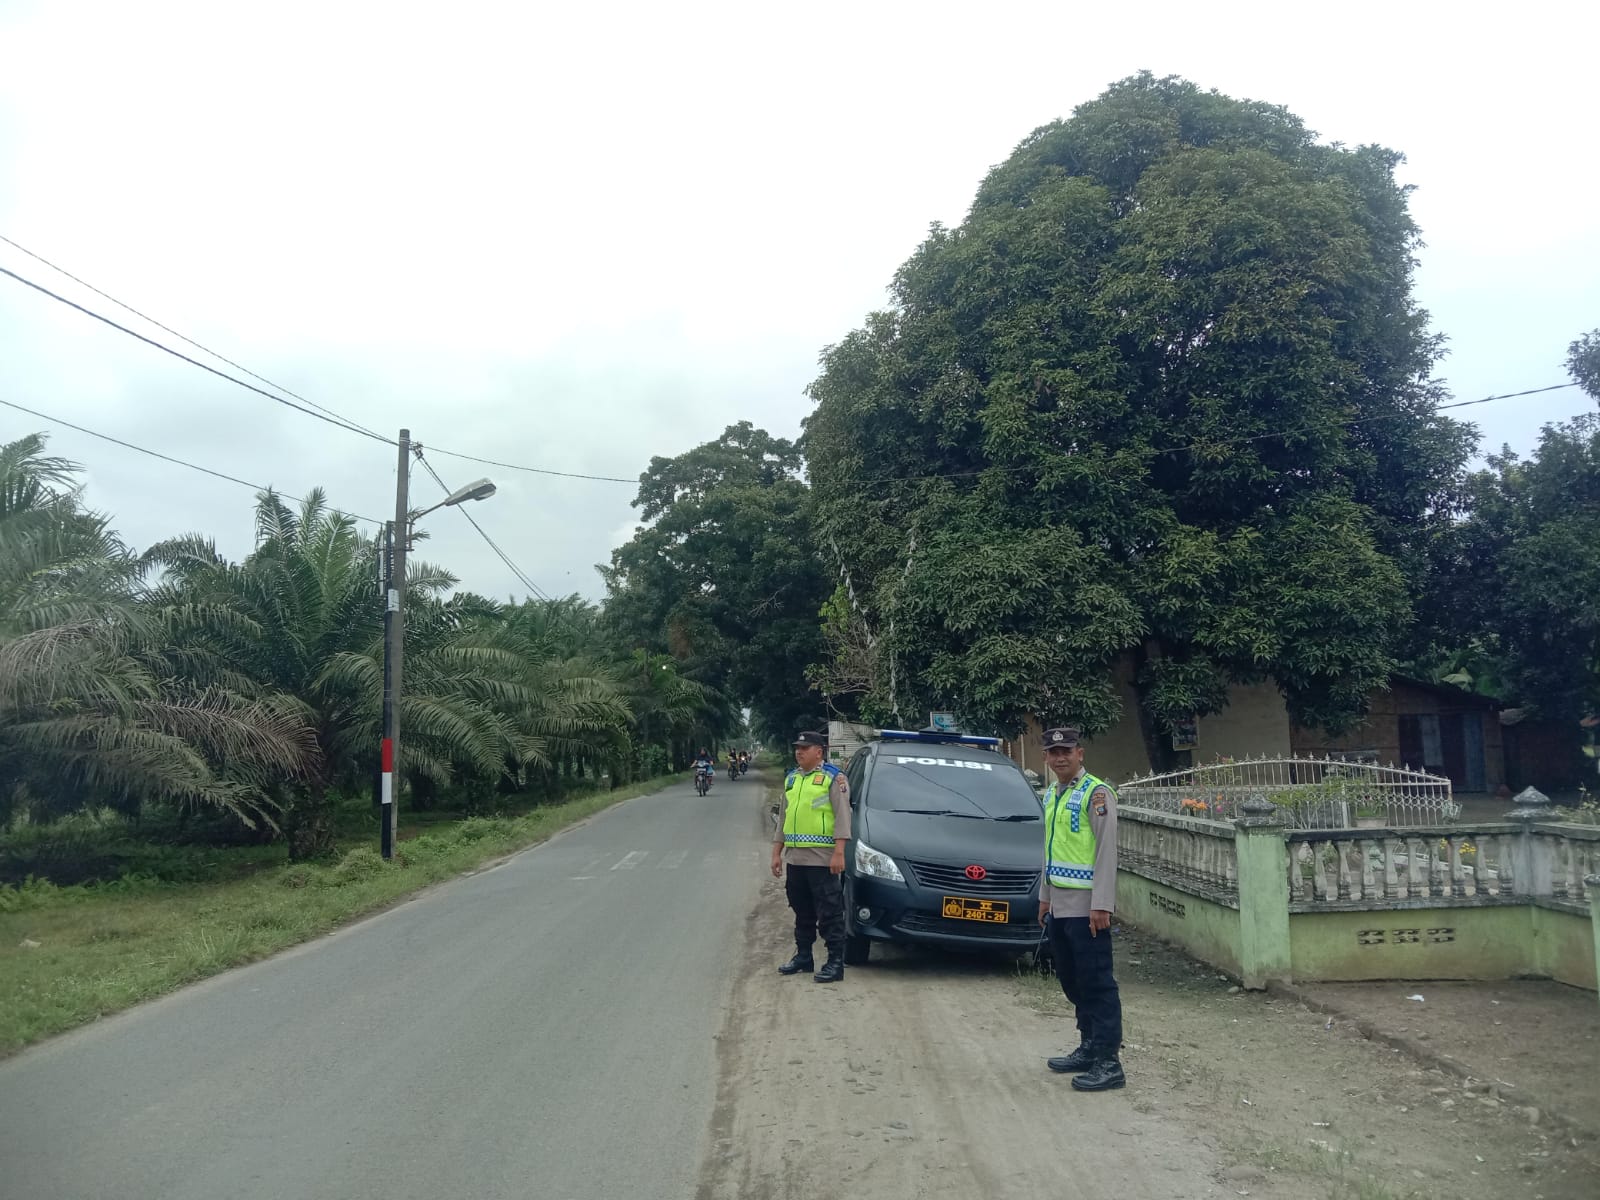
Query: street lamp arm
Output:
(478,489)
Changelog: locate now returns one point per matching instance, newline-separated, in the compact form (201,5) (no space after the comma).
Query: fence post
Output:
(1263,855)
(1592,882)
(1533,870)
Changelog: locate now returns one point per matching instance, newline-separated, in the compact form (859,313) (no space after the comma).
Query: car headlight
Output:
(876,864)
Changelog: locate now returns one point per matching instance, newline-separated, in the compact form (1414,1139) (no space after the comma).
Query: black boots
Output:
(1101,1077)
(1080,1059)
(832,970)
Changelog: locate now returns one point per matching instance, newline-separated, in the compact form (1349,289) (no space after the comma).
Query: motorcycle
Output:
(733,770)
(702,781)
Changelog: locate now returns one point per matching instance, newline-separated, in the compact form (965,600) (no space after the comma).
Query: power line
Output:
(183,337)
(331,415)
(493,545)
(1156,452)
(489,462)
(106,437)
(337,422)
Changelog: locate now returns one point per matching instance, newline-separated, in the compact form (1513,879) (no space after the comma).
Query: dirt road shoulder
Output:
(922,1075)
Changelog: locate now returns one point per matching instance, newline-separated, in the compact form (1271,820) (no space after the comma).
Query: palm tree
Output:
(91,712)
(301,616)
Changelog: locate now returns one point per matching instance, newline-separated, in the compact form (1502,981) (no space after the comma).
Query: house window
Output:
(1448,744)
(1421,747)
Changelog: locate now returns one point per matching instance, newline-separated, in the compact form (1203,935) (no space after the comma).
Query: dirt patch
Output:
(1535,1042)
(922,1075)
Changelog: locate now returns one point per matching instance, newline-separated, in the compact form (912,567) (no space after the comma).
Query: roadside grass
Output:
(1039,990)
(69,955)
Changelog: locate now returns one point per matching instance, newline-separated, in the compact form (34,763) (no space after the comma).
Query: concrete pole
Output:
(394,645)
(1263,857)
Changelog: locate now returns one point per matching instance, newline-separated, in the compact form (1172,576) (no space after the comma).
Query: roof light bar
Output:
(935,736)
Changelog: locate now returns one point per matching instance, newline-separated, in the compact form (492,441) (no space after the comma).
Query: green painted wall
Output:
(1564,947)
(1418,943)
(1207,930)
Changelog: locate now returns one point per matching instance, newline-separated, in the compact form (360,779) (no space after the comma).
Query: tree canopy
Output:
(1164,392)
(723,576)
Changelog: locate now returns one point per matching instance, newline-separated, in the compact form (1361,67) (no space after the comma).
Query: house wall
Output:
(1255,724)
(1117,754)
(1379,732)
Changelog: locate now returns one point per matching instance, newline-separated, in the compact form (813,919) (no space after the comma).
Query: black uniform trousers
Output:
(1083,965)
(817,896)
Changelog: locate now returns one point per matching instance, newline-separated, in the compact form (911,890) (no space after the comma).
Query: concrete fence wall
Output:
(1495,901)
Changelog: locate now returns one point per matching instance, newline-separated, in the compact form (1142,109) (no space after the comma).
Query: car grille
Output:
(1022,932)
(996,883)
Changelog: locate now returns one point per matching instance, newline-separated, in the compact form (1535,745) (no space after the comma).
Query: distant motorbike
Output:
(733,770)
(702,781)
(744,765)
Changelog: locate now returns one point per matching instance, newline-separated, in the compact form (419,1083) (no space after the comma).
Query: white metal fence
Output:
(1314,793)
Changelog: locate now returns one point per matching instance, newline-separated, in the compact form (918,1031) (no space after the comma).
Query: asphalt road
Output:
(541,1029)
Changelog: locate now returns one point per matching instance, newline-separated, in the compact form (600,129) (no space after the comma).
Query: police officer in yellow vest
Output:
(813,828)
(1077,895)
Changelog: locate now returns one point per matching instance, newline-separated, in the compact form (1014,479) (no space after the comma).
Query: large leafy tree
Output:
(93,712)
(724,576)
(1525,586)
(1583,362)
(1165,392)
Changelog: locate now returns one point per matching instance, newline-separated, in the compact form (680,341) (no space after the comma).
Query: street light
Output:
(398,535)
(478,489)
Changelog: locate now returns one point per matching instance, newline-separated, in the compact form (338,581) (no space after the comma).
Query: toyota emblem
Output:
(975,873)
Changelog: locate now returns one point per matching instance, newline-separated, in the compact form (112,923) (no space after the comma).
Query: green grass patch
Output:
(71,954)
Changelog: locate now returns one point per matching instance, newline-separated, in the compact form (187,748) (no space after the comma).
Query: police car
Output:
(947,845)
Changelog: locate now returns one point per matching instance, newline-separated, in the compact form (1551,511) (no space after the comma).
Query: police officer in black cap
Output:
(1077,896)
(813,827)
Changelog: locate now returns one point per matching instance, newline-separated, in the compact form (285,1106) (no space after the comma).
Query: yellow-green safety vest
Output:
(808,817)
(1069,842)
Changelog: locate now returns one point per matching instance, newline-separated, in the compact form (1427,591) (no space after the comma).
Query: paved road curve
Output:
(542,1029)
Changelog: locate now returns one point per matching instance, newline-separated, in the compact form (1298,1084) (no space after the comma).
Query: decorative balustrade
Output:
(1572,853)
(1187,853)
(1418,867)
(1277,877)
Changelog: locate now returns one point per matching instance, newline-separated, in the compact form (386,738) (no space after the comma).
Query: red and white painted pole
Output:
(386,797)
(393,651)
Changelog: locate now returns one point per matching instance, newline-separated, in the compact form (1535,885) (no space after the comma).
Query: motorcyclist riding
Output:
(705,765)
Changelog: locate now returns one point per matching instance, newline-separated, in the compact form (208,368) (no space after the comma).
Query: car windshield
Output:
(953,783)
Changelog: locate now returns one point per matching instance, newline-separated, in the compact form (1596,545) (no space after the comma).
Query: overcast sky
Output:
(575,236)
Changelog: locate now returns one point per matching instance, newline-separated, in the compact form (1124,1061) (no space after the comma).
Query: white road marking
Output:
(673,861)
(630,860)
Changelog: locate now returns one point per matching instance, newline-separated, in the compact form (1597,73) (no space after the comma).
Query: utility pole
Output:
(394,637)
(383,790)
